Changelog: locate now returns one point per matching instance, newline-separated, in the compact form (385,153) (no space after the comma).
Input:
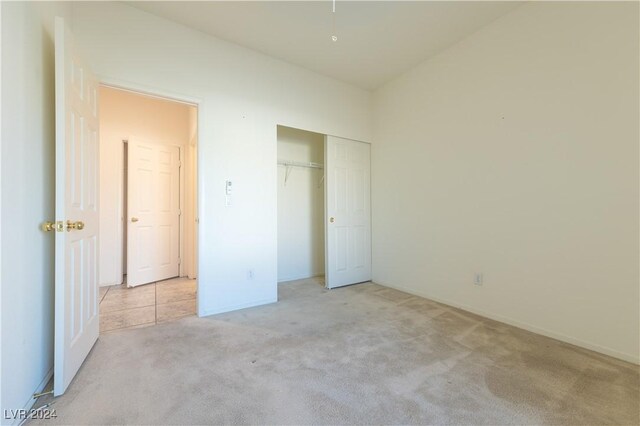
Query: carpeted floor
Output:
(363,354)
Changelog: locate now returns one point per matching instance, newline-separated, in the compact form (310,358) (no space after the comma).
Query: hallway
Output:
(149,304)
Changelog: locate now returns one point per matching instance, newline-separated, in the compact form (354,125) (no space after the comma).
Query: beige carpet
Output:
(363,354)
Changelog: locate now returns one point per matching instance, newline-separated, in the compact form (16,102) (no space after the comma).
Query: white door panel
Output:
(348,212)
(153,204)
(76,251)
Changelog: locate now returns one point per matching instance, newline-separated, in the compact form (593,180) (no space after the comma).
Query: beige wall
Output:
(515,154)
(123,115)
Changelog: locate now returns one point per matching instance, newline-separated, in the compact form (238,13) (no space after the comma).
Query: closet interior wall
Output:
(300,204)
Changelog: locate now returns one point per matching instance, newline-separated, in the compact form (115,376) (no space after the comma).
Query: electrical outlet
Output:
(478,279)
(251,274)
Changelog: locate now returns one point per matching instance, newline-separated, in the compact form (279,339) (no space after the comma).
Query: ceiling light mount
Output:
(334,37)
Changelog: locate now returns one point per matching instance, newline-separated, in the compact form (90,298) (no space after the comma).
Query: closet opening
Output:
(148,209)
(301,208)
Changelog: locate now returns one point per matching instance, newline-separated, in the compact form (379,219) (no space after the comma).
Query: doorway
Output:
(324,209)
(148,205)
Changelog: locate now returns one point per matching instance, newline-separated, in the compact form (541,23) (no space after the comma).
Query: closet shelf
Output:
(289,164)
(300,164)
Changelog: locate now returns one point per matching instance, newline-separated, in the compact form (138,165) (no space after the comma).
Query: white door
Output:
(76,252)
(153,210)
(348,212)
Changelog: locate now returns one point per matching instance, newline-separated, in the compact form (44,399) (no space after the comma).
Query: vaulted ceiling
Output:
(377,40)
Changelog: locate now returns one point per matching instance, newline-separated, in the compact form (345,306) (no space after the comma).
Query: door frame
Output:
(155,92)
(324,189)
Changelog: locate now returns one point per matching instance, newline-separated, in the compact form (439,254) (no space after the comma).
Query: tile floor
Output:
(149,304)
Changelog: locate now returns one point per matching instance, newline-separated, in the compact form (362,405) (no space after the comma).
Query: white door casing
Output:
(153,204)
(348,212)
(76,247)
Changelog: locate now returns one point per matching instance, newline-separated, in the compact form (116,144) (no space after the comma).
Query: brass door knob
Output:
(134,219)
(48,226)
(78,226)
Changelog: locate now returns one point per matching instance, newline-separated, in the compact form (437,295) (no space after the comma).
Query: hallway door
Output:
(348,212)
(153,212)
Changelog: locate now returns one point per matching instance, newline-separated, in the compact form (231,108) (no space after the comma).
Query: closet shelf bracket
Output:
(290,164)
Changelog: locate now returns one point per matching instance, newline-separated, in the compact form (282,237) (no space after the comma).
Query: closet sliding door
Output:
(348,212)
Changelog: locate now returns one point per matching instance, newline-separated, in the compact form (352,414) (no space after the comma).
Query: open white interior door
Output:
(76,252)
(153,231)
(348,212)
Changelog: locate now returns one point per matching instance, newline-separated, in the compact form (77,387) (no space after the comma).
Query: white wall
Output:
(122,115)
(515,153)
(300,206)
(27,188)
(244,96)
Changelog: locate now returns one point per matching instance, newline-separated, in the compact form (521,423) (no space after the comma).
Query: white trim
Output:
(40,388)
(325,215)
(283,123)
(532,328)
(123,213)
(190,210)
(199,205)
(1,139)
(299,277)
(230,308)
(182,188)
(153,92)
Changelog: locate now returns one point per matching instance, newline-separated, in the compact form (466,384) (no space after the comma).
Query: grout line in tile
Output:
(129,308)
(155,304)
(104,295)
(124,328)
(176,301)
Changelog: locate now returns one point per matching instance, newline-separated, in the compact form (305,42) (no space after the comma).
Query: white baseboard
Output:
(236,307)
(302,277)
(529,327)
(29,404)
(109,284)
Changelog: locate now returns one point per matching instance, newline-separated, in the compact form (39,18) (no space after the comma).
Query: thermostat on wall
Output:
(228,186)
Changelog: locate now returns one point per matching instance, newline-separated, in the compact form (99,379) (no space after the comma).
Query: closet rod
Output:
(300,164)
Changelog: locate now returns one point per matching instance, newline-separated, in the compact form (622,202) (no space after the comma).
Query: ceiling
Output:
(377,40)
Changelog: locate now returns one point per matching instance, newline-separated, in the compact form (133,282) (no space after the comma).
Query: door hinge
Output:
(179,261)
(179,212)
(179,163)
